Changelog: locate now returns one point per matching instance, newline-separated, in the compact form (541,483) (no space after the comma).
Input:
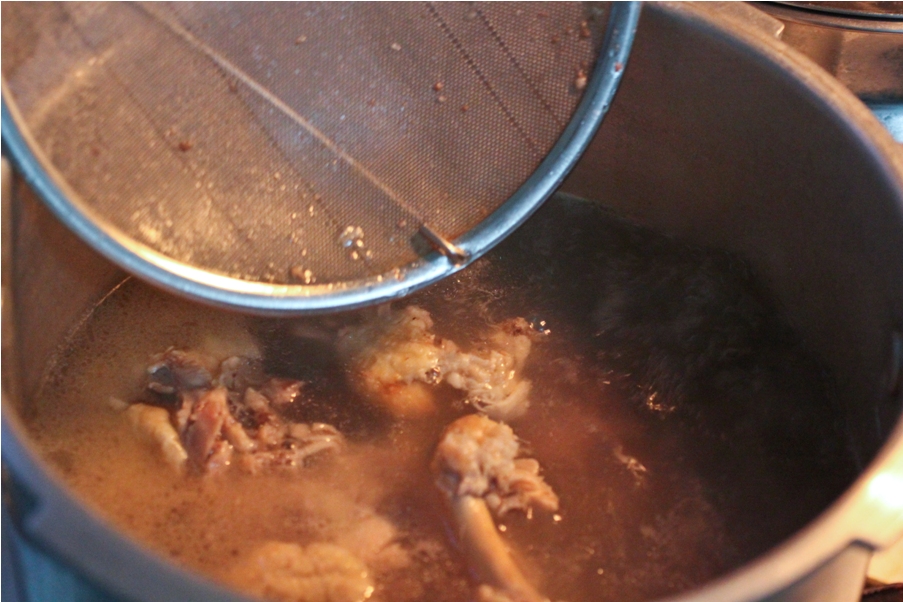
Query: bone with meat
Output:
(396,361)
(477,468)
(394,358)
(154,425)
(214,418)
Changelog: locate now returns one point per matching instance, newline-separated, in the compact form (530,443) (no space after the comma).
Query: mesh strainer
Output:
(284,157)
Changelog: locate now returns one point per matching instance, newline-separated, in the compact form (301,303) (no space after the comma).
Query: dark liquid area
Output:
(680,421)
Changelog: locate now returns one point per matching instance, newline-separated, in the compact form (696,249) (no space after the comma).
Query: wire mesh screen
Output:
(297,143)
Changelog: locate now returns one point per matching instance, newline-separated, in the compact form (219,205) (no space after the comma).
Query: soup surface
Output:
(680,424)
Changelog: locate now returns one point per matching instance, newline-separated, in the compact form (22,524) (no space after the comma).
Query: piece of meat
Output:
(154,424)
(491,384)
(205,424)
(222,420)
(374,539)
(259,405)
(264,425)
(634,466)
(477,469)
(319,437)
(290,445)
(271,433)
(396,360)
(491,376)
(478,457)
(287,572)
(220,456)
(282,391)
(515,337)
(237,373)
(236,435)
(393,358)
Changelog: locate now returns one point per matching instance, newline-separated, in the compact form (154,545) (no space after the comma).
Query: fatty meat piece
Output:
(320,572)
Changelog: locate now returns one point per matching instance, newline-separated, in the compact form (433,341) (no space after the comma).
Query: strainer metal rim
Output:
(294,299)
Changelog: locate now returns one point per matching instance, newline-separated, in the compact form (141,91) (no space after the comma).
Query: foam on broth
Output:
(664,484)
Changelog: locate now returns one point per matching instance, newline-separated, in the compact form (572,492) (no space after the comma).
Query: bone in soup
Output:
(593,412)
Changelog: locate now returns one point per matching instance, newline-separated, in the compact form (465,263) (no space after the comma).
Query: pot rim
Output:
(847,21)
(867,514)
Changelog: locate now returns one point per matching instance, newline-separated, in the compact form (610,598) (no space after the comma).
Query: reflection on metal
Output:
(455,254)
(896,363)
(881,10)
(746,16)
(865,54)
(887,489)
(891,116)
(859,43)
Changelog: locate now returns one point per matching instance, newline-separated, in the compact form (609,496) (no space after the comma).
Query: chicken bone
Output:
(477,469)
(215,417)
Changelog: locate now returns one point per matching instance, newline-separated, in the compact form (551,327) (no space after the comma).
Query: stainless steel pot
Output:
(720,135)
(857,42)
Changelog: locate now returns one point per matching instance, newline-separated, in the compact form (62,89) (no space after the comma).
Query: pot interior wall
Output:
(712,144)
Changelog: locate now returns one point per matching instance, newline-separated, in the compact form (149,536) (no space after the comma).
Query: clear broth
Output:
(681,423)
